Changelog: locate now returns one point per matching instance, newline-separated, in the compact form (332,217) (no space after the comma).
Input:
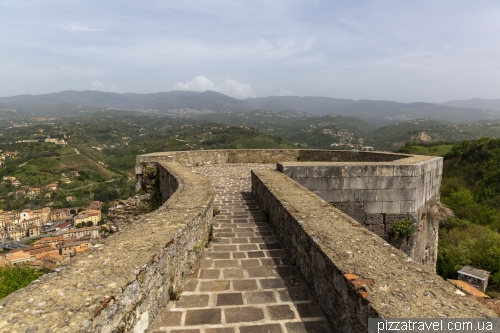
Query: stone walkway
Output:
(246,282)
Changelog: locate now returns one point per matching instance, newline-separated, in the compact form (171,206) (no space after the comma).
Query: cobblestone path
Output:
(246,282)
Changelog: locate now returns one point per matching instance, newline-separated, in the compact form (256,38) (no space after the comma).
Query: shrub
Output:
(404,228)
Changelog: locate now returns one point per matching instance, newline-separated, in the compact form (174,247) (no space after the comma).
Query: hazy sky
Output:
(428,50)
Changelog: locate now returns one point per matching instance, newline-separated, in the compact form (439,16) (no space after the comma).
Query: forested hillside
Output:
(471,188)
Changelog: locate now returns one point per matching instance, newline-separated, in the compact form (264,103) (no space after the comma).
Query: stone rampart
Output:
(212,157)
(375,188)
(121,284)
(354,273)
(379,194)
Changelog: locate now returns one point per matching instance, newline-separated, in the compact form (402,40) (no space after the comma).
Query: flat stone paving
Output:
(245,282)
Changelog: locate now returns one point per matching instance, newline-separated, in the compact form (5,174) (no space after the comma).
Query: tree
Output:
(16,277)
(90,223)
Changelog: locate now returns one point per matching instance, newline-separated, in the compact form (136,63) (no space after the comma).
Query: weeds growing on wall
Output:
(403,228)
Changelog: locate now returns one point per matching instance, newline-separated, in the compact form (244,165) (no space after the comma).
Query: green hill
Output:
(471,188)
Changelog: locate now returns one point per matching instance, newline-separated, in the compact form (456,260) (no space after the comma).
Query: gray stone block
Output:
(323,184)
(391,207)
(408,206)
(375,183)
(396,195)
(355,171)
(417,169)
(384,171)
(330,171)
(391,218)
(294,171)
(378,229)
(330,195)
(359,183)
(353,209)
(367,195)
(374,219)
(373,207)
(403,170)
(306,182)
(427,177)
(335,183)
(320,184)
(409,182)
(350,195)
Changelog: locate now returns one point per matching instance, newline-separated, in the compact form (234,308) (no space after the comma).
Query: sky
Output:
(399,50)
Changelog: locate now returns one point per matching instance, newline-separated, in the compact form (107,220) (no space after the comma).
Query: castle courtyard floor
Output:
(246,282)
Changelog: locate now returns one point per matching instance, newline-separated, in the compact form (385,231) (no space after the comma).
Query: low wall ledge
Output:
(122,283)
(330,248)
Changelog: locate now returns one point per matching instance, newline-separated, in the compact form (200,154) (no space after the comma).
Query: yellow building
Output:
(18,257)
(92,232)
(72,249)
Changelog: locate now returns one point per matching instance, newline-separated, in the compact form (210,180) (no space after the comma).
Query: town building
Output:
(33,230)
(60,214)
(93,232)
(52,187)
(52,241)
(474,276)
(17,257)
(72,249)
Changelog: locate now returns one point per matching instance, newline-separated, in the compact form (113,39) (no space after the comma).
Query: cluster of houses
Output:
(30,223)
(31,191)
(3,156)
(51,252)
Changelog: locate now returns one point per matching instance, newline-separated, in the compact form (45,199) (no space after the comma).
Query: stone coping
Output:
(193,157)
(404,160)
(124,280)
(354,273)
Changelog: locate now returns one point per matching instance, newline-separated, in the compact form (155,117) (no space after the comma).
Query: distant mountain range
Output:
(477,103)
(378,113)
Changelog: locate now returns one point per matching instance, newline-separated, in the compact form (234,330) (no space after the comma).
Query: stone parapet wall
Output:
(354,273)
(211,157)
(377,194)
(121,284)
(394,188)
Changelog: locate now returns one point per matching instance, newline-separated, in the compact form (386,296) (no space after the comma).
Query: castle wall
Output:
(354,274)
(379,194)
(121,284)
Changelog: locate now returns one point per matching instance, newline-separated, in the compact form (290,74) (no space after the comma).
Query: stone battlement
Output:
(125,282)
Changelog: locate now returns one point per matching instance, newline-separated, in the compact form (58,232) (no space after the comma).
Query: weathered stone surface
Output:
(154,253)
(327,244)
(124,281)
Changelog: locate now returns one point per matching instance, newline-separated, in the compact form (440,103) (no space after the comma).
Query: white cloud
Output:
(200,83)
(74,27)
(97,85)
(228,87)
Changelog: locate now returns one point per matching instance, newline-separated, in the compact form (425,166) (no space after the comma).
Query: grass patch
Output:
(439,150)
(81,162)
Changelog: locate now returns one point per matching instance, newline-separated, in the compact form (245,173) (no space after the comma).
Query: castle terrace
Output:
(350,272)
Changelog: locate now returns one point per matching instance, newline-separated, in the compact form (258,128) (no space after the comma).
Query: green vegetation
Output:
(16,277)
(216,211)
(174,294)
(301,129)
(429,149)
(403,228)
(471,188)
(427,132)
